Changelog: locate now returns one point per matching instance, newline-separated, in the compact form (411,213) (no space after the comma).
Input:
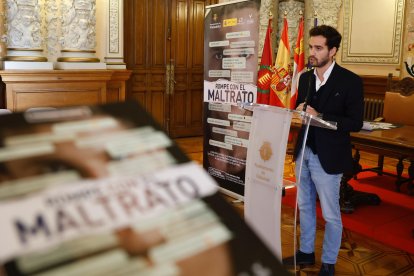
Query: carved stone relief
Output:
(113,26)
(78,24)
(52,28)
(23,24)
(3,47)
(64,29)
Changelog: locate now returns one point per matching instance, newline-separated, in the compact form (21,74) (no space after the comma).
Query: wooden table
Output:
(396,143)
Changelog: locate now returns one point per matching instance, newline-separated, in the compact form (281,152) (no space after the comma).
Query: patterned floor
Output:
(358,255)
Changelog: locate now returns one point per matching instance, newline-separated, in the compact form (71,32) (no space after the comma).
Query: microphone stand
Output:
(305,103)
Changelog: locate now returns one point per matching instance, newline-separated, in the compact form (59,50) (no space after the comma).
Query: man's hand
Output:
(309,109)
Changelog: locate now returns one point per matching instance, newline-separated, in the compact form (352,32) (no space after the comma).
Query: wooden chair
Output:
(398,108)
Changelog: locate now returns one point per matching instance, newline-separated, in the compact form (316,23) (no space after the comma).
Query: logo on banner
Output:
(250,20)
(216,24)
(266,151)
(230,22)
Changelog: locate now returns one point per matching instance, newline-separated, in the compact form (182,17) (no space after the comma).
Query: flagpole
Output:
(298,62)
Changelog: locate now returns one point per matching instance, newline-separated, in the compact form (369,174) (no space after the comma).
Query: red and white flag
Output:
(298,65)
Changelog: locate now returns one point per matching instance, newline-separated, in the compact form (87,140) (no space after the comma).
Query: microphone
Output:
(310,82)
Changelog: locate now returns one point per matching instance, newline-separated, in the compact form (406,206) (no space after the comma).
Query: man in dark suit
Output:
(332,93)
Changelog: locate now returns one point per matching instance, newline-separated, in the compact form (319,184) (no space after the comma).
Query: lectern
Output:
(272,129)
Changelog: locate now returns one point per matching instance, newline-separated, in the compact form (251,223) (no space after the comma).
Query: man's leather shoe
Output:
(327,270)
(301,259)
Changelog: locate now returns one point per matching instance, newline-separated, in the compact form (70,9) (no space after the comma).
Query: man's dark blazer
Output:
(341,101)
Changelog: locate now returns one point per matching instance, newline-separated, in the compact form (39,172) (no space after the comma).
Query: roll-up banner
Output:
(231,35)
(264,173)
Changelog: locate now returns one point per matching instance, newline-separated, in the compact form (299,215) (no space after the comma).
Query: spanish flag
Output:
(298,65)
(280,83)
(265,71)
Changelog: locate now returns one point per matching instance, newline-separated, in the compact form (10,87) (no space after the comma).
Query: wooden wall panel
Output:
(374,86)
(113,92)
(180,44)
(374,91)
(139,81)
(58,88)
(2,95)
(197,79)
(137,47)
(138,97)
(187,48)
(145,53)
(157,105)
(179,116)
(116,87)
(167,34)
(157,79)
(158,25)
(197,37)
(45,95)
(196,108)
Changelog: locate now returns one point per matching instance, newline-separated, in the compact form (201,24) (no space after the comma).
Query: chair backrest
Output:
(398,108)
(399,101)
(404,86)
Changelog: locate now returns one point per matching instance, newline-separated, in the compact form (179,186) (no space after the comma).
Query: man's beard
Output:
(316,63)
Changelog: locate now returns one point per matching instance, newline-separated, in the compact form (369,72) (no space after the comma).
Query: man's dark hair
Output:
(333,37)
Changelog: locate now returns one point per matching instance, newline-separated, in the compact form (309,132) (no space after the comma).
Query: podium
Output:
(272,135)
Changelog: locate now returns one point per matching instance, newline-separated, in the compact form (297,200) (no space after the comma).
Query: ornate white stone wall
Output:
(3,47)
(327,12)
(293,9)
(267,8)
(61,29)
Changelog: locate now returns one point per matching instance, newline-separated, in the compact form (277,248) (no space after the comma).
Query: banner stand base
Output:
(239,198)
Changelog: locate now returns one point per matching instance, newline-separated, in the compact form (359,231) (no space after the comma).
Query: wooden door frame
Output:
(173,129)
